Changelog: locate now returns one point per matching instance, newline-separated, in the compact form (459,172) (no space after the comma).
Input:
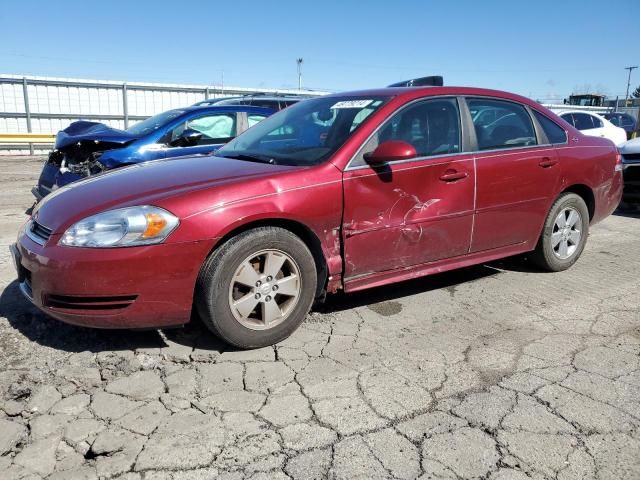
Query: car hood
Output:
(83,131)
(631,146)
(145,183)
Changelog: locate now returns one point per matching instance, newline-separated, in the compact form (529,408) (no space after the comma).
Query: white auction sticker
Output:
(352,104)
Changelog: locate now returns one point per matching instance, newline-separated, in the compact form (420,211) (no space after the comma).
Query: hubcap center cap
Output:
(265,288)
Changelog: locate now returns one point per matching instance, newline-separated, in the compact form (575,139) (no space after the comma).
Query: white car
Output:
(593,124)
(631,164)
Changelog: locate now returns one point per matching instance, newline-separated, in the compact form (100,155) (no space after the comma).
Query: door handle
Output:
(547,162)
(453,175)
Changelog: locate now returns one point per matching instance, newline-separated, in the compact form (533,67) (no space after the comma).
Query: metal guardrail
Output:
(22,138)
(207,91)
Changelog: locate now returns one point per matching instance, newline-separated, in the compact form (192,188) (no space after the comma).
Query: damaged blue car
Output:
(88,148)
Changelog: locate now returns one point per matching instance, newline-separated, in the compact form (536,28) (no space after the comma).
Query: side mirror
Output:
(188,138)
(389,151)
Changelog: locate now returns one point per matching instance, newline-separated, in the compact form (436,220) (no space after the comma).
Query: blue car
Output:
(622,120)
(88,148)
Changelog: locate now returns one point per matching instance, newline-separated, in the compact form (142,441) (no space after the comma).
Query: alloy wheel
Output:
(567,232)
(264,289)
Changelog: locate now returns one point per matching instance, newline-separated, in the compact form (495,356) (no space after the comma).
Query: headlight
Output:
(123,227)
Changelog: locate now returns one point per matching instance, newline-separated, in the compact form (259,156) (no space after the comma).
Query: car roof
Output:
(271,97)
(416,92)
(618,114)
(228,108)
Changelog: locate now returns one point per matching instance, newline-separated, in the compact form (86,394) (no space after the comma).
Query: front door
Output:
(414,211)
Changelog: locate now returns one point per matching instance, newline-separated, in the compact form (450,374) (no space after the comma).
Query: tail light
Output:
(619,167)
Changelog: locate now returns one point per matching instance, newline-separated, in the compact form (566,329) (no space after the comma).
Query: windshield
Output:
(151,124)
(306,133)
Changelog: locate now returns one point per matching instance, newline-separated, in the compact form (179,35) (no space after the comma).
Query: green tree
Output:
(636,92)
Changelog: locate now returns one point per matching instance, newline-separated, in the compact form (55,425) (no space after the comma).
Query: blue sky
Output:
(542,49)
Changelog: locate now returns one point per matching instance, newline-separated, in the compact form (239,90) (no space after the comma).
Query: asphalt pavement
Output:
(497,372)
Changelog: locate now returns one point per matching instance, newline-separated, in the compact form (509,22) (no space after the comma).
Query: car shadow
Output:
(447,280)
(46,331)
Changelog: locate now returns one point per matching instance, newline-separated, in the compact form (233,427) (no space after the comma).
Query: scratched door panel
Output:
(406,214)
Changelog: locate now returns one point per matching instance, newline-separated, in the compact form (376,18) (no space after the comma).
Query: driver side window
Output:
(432,127)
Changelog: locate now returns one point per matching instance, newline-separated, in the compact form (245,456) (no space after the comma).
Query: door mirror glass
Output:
(188,138)
(390,151)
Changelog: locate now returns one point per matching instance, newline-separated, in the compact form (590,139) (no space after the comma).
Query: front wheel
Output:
(564,234)
(256,289)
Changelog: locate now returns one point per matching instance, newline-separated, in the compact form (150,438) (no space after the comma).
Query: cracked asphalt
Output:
(494,372)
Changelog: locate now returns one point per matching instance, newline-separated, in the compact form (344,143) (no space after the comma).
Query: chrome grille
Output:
(38,232)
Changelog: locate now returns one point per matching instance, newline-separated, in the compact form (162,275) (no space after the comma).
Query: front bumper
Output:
(135,287)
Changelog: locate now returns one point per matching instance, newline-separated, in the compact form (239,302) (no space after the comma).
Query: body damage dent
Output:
(405,214)
(283,204)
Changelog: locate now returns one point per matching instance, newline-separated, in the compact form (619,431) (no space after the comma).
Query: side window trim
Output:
(242,123)
(463,133)
(541,135)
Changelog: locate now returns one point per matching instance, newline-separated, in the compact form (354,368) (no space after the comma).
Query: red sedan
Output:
(347,191)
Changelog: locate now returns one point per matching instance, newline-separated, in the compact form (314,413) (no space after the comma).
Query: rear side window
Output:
(582,121)
(501,124)
(597,123)
(626,120)
(614,119)
(253,118)
(567,117)
(554,132)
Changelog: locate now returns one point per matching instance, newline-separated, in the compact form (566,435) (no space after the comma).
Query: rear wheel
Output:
(564,234)
(256,289)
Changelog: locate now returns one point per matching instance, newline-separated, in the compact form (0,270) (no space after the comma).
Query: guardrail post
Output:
(27,110)
(125,106)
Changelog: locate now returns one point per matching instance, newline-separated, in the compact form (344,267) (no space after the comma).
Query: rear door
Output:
(517,174)
(414,211)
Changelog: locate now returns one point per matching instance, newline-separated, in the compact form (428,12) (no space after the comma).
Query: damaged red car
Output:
(341,192)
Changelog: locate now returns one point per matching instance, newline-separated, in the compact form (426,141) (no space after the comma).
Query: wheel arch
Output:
(586,193)
(304,232)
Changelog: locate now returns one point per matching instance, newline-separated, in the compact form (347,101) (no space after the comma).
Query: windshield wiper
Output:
(249,158)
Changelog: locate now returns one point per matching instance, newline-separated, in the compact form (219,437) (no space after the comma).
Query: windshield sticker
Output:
(352,104)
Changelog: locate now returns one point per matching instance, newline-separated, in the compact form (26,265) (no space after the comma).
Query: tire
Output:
(223,295)
(552,256)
